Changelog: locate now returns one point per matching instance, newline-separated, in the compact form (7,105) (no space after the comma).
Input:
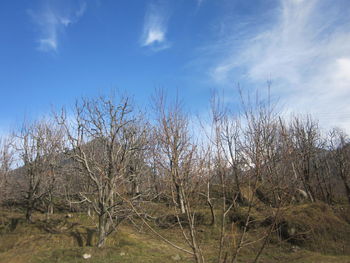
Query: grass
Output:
(56,243)
(60,239)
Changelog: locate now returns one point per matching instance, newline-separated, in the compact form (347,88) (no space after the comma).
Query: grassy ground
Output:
(66,240)
(62,239)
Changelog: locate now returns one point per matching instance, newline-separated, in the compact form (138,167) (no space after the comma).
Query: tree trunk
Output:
(29,212)
(135,191)
(180,199)
(102,222)
(155,185)
(210,205)
(49,210)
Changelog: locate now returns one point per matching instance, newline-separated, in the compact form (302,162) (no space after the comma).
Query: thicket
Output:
(237,171)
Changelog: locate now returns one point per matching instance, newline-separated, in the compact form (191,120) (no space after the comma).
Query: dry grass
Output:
(65,240)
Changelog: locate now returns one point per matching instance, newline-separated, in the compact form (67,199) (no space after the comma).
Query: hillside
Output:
(309,233)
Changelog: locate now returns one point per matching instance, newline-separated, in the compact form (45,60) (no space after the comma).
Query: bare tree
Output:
(247,150)
(6,161)
(307,141)
(257,141)
(176,149)
(105,136)
(340,153)
(153,161)
(177,157)
(39,145)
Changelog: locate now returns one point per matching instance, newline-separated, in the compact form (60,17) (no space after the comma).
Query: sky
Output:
(54,51)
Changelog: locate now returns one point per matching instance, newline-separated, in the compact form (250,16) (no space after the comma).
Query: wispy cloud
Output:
(155,27)
(51,21)
(304,50)
(199,2)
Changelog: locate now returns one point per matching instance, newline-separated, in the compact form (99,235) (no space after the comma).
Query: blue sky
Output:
(53,51)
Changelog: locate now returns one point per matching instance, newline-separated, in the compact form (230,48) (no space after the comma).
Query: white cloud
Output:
(154,35)
(155,28)
(305,51)
(51,22)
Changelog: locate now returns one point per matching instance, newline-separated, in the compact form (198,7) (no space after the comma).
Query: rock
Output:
(69,216)
(301,195)
(176,257)
(239,217)
(287,231)
(295,248)
(295,233)
(291,231)
(122,253)
(86,256)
